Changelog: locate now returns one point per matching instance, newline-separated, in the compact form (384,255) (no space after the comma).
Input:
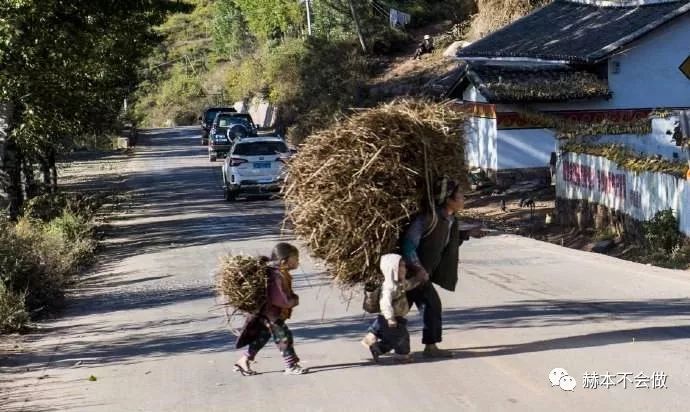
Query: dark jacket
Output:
(438,258)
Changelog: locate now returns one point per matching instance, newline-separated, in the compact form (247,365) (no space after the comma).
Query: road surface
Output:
(147,326)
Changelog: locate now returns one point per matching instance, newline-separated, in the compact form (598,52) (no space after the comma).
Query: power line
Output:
(379,9)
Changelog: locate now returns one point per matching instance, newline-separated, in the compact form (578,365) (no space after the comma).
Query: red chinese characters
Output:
(589,178)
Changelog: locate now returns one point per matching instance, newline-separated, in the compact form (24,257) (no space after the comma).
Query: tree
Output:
(65,68)
(272,19)
(231,35)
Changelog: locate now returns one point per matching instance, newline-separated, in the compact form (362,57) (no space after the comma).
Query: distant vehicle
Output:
(206,120)
(254,166)
(226,128)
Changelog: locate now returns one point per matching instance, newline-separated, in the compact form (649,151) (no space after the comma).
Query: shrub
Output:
(49,206)
(38,260)
(661,233)
(13,314)
(309,80)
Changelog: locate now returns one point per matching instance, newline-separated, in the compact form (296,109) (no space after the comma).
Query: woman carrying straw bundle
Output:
(430,249)
(271,318)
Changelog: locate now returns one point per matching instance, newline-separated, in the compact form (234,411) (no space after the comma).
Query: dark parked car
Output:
(226,128)
(207,117)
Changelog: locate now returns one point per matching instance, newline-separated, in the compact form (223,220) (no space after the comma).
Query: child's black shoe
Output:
(375,352)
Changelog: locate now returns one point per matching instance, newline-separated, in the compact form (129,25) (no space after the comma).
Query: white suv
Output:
(254,166)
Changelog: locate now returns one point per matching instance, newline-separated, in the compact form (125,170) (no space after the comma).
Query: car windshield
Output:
(210,115)
(260,148)
(227,121)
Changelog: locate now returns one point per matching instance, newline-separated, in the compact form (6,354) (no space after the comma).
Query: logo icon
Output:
(559,377)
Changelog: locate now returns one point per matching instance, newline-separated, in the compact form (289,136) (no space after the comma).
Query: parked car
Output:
(225,129)
(207,117)
(254,166)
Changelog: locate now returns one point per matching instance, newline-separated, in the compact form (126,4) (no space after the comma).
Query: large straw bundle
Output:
(352,188)
(242,281)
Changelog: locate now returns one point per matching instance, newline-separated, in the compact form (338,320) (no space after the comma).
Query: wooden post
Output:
(359,31)
(308,17)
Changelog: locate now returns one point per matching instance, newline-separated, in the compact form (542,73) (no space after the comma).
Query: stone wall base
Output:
(507,177)
(583,214)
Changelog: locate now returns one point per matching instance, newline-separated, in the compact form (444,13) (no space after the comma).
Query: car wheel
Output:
(230,196)
(212,158)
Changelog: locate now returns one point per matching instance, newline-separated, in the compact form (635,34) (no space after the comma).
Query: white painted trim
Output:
(526,60)
(620,3)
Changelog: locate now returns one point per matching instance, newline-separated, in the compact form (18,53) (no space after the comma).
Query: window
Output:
(228,120)
(210,115)
(260,148)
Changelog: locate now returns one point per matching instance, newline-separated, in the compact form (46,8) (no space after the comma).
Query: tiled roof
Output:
(545,83)
(575,32)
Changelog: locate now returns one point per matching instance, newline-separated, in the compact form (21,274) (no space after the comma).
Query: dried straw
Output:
(242,281)
(352,188)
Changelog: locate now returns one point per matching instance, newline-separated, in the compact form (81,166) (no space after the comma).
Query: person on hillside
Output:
(389,330)
(430,249)
(271,320)
(426,46)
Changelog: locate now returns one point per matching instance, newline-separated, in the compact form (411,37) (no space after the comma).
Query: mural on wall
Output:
(639,195)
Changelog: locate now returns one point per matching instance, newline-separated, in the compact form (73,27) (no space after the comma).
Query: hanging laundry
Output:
(399,19)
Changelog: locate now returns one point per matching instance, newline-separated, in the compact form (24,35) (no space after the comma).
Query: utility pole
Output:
(359,31)
(308,17)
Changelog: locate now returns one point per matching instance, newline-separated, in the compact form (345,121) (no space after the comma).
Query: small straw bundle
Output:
(242,281)
(352,188)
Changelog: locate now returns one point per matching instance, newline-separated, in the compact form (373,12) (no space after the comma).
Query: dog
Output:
(527,202)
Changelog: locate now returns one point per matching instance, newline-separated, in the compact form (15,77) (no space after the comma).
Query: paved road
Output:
(148,328)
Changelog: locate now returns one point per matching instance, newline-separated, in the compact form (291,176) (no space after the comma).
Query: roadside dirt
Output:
(486,207)
(398,74)
(538,222)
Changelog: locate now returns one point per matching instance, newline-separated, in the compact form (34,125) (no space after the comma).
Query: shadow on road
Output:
(152,340)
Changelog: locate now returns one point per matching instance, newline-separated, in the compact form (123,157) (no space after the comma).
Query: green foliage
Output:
(331,21)
(679,258)
(65,69)
(424,12)
(605,234)
(661,233)
(310,80)
(13,314)
(272,19)
(231,35)
(174,89)
(50,206)
(38,260)
(91,48)
(261,48)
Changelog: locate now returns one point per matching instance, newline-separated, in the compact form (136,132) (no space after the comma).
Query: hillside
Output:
(229,50)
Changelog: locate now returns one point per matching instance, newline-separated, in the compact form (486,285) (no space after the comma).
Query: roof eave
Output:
(605,52)
(477,82)
(548,100)
(536,58)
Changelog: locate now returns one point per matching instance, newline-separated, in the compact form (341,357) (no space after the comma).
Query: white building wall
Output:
(648,74)
(524,148)
(471,94)
(480,144)
(640,195)
(658,142)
